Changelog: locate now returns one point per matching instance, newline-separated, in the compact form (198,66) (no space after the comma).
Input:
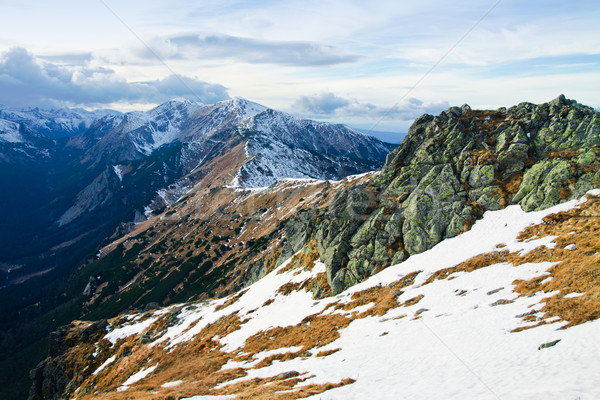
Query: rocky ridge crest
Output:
(452,168)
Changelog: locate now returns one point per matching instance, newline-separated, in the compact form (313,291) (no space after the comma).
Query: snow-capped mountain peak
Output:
(287,147)
(245,108)
(9,132)
(178,104)
(149,130)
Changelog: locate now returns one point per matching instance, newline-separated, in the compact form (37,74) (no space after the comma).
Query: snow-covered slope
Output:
(159,126)
(224,115)
(316,136)
(282,146)
(278,145)
(501,311)
(186,121)
(9,132)
(52,123)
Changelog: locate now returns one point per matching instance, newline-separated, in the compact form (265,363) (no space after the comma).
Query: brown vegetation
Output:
(577,269)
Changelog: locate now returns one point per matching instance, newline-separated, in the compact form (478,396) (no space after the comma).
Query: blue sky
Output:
(376,65)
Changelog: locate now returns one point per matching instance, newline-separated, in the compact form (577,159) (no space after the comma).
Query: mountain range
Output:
(75,179)
(73,175)
(231,253)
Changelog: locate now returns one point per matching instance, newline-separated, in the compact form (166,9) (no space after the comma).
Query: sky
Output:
(374,65)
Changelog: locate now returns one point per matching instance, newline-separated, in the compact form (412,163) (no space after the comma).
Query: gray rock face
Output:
(434,210)
(449,170)
(346,213)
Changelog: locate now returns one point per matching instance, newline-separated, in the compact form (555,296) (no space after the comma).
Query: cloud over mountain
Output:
(330,105)
(27,80)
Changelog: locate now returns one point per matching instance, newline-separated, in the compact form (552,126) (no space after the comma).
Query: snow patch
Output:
(128,330)
(119,172)
(171,384)
(138,376)
(9,132)
(110,360)
(573,295)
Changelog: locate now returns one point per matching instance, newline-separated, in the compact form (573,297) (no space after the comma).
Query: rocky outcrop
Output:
(66,361)
(448,171)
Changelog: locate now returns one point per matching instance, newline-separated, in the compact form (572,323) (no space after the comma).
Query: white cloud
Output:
(268,51)
(26,80)
(242,49)
(331,106)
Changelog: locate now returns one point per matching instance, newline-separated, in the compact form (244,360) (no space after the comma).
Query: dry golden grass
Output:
(199,363)
(472,264)
(290,287)
(232,300)
(565,154)
(577,270)
(484,156)
(268,302)
(280,388)
(319,281)
(384,298)
(304,259)
(326,353)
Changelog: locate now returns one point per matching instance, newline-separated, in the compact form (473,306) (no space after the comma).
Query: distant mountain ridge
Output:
(52,123)
(98,168)
(269,132)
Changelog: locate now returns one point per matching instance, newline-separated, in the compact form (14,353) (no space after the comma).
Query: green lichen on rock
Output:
(481,176)
(542,183)
(434,210)
(346,213)
(298,229)
(448,171)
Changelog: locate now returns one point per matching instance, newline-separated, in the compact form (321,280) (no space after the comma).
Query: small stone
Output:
(287,375)
(549,344)
(491,292)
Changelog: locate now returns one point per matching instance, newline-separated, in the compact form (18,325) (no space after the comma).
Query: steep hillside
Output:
(52,123)
(115,167)
(505,310)
(212,242)
(208,235)
(217,239)
(450,170)
(73,192)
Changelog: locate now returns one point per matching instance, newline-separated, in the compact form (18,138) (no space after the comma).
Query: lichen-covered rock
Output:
(434,210)
(449,170)
(346,213)
(542,183)
(297,229)
(481,176)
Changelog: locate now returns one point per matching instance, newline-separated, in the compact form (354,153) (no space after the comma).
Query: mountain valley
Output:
(234,251)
